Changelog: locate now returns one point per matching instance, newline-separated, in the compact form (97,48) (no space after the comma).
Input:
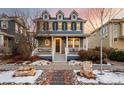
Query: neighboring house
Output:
(113,35)
(10,29)
(60,38)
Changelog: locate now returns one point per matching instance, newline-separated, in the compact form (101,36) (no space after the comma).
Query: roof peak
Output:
(74,12)
(60,11)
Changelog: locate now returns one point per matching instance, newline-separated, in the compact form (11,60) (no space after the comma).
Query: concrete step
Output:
(59,57)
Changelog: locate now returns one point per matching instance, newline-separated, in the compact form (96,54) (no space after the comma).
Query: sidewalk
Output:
(53,66)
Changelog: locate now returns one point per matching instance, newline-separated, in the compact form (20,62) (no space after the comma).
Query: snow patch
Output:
(7,77)
(40,62)
(107,78)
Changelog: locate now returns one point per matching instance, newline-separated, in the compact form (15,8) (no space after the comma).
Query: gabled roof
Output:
(4,15)
(45,12)
(74,12)
(60,12)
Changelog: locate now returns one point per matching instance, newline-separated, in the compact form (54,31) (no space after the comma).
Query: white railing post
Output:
(53,49)
(66,49)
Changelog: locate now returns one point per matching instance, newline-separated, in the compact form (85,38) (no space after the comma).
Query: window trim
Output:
(73,42)
(47,42)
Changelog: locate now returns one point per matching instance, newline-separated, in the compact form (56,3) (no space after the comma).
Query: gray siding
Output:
(11,27)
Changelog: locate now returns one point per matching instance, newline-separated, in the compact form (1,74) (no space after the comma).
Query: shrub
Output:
(105,50)
(117,56)
(34,58)
(90,55)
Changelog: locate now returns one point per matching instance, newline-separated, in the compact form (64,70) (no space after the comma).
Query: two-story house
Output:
(60,38)
(10,29)
(112,34)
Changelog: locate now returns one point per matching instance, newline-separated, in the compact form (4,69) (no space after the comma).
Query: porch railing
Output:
(42,51)
(74,51)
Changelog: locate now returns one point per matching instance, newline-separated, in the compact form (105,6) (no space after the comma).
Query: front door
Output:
(58,45)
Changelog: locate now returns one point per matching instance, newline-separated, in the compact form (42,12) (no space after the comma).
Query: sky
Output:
(33,11)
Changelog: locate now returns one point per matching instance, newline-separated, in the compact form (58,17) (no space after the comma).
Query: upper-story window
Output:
(45,16)
(46,26)
(81,26)
(60,15)
(64,26)
(55,26)
(73,16)
(73,26)
(4,24)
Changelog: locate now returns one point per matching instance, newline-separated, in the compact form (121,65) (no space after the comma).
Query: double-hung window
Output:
(55,26)
(64,26)
(73,42)
(73,26)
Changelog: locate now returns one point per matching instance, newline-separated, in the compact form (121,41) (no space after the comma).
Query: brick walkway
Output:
(56,77)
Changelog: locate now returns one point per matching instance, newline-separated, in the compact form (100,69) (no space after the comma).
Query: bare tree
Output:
(97,17)
(26,45)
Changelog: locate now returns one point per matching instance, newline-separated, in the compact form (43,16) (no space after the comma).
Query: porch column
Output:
(52,49)
(86,41)
(66,49)
(1,40)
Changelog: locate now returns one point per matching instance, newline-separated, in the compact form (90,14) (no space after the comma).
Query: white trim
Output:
(45,55)
(72,55)
(66,49)
(1,40)
(53,50)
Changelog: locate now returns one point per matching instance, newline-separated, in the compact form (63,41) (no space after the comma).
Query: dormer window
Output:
(60,15)
(45,15)
(74,15)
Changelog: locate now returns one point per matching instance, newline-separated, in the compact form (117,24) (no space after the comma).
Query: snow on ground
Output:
(107,78)
(40,62)
(85,80)
(75,62)
(7,77)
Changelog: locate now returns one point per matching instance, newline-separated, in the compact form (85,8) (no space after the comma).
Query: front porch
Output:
(60,49)
(6,44)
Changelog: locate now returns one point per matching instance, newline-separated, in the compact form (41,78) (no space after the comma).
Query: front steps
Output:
(59,58)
